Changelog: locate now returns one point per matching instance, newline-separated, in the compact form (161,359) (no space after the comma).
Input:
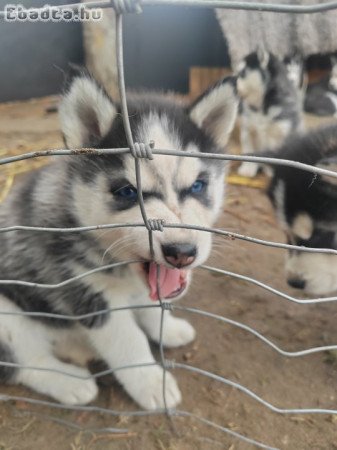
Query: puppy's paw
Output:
(248,169)
(80,392)
(177,332)
(72,391)
(147,390)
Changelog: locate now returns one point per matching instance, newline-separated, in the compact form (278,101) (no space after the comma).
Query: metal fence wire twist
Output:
(148,150)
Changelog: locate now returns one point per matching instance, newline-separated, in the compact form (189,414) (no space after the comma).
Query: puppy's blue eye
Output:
(127,192)
(198,186)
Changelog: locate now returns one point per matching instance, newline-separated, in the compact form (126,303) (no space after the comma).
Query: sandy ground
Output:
(220,348)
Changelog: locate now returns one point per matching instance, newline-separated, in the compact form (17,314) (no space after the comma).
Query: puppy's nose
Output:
(180,254)
(296,283)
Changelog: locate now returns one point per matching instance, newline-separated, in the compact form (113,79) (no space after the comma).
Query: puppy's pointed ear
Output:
(263,56)
(215,111)
(333,60)
(86,112)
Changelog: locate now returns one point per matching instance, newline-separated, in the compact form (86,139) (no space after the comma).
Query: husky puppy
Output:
(306,207)
(321,97)
(271,106)
(295,66)
(86,190)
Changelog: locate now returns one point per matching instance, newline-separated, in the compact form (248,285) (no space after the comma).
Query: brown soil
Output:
(222,349)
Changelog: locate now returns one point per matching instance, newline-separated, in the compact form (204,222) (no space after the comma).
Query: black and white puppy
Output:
(87,190)
(295,66)
(321,97)
(271,105)
(306,208)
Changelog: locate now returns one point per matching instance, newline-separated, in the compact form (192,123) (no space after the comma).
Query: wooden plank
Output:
(201,78)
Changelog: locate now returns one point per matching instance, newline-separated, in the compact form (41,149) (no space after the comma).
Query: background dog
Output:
(295,66)
(306,207)
(271,107)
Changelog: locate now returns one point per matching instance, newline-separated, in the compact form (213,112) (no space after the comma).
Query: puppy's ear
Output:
(333,60)
(215,111)
(86,112)
(263,57)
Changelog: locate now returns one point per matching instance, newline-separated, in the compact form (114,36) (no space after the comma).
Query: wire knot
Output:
(169,364)
(167,306)
(155,224)
(126,6)
(141,150)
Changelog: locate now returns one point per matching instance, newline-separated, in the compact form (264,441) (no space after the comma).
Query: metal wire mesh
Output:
(147,150)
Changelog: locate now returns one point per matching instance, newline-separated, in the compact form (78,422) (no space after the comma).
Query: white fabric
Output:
(279,33)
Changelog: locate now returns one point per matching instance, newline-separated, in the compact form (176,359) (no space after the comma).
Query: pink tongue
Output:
(170,280)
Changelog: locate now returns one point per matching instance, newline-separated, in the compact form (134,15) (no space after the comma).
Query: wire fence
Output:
(153,225)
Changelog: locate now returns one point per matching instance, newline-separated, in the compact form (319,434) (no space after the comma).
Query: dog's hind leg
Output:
(29,344)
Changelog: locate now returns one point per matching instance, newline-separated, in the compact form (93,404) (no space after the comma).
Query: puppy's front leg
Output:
(176,331)
(121,342)
(246,169)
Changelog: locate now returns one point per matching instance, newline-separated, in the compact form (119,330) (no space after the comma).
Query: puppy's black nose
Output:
(296,283)
(179,254)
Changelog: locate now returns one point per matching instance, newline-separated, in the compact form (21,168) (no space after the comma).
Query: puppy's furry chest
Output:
(264,128)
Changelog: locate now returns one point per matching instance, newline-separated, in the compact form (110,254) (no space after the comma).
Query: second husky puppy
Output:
(295,66)
(271,105)
(305,205)
(87,190)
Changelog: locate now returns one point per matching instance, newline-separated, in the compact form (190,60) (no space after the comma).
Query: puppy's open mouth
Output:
(172,282)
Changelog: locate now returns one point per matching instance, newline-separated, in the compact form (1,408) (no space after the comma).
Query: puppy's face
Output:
(252,77)
(315,273)
(178,190)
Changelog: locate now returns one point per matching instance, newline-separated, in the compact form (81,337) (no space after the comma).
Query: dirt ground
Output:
(304,382)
